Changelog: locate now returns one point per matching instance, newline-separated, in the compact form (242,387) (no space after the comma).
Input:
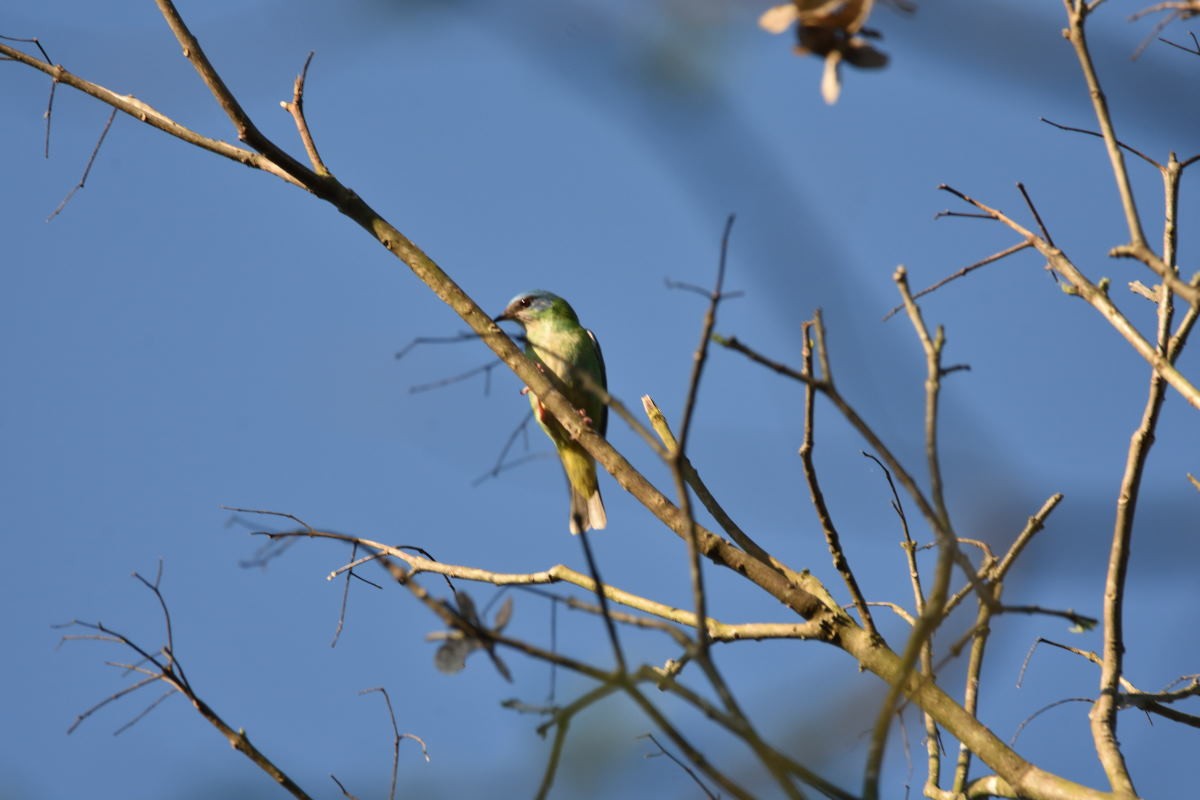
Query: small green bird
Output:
(557,343)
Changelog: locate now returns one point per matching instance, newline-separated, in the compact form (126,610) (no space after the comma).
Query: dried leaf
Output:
(831,81)
(466,607)
(779,18)
(451,657)
(503,615)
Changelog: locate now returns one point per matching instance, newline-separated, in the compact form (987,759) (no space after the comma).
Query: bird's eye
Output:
(525,301)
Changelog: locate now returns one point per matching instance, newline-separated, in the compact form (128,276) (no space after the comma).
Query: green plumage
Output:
(565,349)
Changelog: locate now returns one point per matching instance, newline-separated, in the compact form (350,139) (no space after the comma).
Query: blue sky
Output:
(189,334)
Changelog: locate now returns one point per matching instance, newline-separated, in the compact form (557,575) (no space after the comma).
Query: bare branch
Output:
(87,170)
(658,421)
(1122,145)
(559,573)
(601,595)
(397,736)
(967,270)
(663,751)
(1097,297)
(296,109)
(168,670)
(832,539)
(679,453)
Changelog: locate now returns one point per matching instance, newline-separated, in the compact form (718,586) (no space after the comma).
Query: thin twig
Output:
(933,614)
(717,630)
(1017,733)
(1131,150)
(397,737)
(1037,217)
(663,751)
(441,383)
(658,421)
(1081,621)
(560,720)
(967,270)
(296,109)
(685,427)
(49,112)
(501,465)
(169,670)
(337,632)
(87,170)
(832,539)
(1097,297)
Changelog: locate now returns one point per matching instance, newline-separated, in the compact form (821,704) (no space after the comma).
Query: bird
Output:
(559,345)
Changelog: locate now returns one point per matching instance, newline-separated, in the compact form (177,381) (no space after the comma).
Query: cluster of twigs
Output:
(911,671)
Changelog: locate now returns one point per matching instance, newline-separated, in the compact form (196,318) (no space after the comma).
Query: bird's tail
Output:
(587,509)
(587,513)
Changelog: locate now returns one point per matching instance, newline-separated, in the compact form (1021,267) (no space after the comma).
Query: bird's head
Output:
(532,308)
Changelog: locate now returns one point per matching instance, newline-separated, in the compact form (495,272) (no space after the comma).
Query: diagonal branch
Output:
(1096,296)
(143,112)
(272,159)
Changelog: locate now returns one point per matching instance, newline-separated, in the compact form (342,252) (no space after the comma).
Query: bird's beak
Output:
(502,316)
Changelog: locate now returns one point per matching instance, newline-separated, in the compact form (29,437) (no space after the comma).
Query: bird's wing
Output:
(602,427)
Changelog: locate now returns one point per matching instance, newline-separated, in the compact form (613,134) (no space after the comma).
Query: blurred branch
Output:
(1177,10)
(598,588)
(663,751)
